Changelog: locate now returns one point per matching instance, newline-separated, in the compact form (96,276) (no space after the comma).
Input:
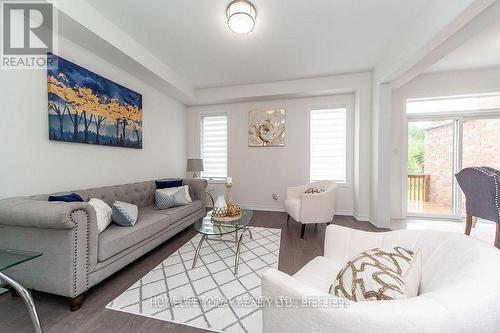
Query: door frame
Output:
(458,117)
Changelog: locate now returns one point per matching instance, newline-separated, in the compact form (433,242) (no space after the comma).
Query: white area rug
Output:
(209,296)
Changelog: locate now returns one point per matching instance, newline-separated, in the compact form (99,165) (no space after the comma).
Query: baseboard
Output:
(343,212)
(264,208)
(340,212)
(359,217)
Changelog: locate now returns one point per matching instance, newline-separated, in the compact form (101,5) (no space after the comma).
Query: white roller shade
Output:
(328,151)
(214,146)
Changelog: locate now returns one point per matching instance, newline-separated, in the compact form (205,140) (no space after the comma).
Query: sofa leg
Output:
(302,231)
(468,224)
(76,302)
(497,237)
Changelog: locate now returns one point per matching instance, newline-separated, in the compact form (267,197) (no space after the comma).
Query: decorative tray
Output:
(226,218)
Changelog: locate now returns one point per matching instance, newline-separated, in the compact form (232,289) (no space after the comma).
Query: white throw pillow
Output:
(103,213)
(413,275)
(172,190)
(379,274)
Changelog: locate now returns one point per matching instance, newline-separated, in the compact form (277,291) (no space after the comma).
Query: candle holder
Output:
(229,197)
(233,209)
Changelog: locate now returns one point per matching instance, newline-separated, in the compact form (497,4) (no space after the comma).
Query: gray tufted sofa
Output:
(75,257)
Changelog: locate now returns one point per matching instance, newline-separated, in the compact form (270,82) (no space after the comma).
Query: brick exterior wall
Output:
(481,147)
(438,162)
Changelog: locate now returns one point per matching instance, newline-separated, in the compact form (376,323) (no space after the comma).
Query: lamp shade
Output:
(194,164)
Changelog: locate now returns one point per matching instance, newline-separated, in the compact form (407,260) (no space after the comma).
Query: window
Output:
(464,103)
(328,151)
(214,146)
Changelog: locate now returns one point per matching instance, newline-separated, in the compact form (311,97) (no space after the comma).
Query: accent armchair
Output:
(308,208)
(482,196)
(459,290)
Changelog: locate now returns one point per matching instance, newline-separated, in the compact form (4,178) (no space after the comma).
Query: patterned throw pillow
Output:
(379,274)
(124,214)
(165,200)
(172,190)
(314,190)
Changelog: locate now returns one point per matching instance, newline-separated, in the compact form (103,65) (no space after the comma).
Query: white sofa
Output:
(311,208)
(459,289)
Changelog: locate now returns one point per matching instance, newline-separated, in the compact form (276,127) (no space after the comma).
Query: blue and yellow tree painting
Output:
(86,108)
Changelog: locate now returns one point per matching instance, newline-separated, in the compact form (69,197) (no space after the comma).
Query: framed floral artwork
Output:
(266,128)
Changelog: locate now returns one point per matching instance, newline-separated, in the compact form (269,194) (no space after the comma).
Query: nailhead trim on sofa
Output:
(75,247)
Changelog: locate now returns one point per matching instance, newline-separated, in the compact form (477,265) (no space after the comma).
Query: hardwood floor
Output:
(93,317)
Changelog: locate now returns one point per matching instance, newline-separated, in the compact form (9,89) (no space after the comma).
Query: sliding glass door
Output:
(430,167)
(480,145)
(444,136)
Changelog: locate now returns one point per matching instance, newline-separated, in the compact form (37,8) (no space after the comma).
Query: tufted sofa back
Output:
(140,194)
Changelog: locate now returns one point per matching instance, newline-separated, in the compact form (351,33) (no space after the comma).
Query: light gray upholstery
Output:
(180,212)
(111,265)
(75,257)
(117,238)
(141,194)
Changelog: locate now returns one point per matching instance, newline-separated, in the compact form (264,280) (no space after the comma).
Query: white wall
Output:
(259,172)
(358,84)
(428,85)
(32,164)
(411,52)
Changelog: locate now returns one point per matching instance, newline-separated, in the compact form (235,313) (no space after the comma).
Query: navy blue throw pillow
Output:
(168,183)
(73,197)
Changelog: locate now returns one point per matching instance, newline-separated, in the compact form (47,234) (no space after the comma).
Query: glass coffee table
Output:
(10,258)
(209,228)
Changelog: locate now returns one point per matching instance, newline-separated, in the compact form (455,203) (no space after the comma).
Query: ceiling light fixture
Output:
(241,16)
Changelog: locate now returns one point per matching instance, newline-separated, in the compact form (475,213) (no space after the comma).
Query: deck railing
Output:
(418,187)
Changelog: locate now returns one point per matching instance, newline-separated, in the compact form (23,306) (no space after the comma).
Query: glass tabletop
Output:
(208,226)
(9,257)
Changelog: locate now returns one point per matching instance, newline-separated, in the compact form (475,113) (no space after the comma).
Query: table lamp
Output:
(194,165)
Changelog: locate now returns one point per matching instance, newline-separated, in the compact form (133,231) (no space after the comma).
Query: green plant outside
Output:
(416,150)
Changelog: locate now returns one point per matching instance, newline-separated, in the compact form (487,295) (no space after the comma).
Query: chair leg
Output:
(497,237)
(474,221)
(302,231)
(13,291)
(76,302)
(468,224)
(288,219)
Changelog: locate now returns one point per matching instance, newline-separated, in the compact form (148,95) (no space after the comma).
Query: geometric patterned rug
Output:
(209,296)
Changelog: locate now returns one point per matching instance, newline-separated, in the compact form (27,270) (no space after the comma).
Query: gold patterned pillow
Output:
(314,190)
(379,274)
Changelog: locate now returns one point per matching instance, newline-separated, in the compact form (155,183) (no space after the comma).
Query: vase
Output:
(220,207)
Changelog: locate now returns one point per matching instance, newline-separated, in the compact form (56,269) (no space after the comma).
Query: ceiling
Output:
(293,38)
(480,51)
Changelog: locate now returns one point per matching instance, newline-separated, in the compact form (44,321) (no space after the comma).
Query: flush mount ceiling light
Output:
(241,16)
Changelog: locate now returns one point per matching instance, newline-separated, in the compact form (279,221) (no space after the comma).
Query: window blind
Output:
(328,150)
(214,146)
